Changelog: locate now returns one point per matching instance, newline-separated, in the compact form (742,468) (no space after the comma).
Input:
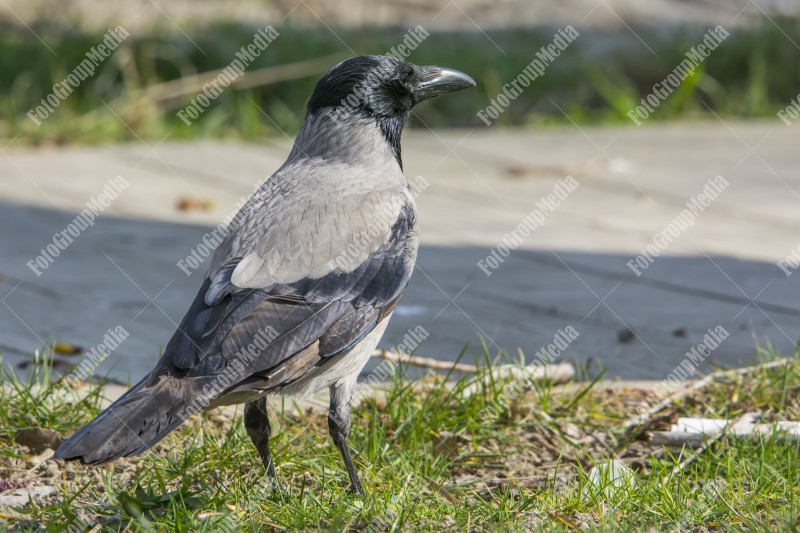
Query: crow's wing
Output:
(337,308)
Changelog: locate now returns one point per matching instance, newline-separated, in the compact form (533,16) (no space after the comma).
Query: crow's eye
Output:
(406,74)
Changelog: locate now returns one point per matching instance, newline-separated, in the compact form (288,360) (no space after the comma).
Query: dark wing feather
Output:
(349,304)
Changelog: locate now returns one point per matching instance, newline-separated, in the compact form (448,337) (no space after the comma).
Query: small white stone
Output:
(21,497)
(611,477)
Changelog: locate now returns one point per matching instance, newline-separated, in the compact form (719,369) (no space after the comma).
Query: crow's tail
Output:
(136,421)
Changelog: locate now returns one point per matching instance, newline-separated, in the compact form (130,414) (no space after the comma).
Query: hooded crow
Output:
(300,290)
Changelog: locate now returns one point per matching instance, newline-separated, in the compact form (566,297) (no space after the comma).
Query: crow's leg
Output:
(339,426)
(256,423)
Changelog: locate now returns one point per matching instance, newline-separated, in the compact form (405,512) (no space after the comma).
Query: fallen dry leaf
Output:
(193,204)
(38,439)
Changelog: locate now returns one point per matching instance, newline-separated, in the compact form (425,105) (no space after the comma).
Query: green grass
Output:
(754,73)
(430,460)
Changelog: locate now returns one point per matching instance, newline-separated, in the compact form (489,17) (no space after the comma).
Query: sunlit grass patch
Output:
(430,460)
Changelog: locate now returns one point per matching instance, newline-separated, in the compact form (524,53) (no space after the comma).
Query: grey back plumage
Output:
(317,257)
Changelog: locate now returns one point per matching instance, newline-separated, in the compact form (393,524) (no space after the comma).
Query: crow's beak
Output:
(434,81)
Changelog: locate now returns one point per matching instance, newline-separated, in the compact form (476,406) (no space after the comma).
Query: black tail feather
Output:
(135,422)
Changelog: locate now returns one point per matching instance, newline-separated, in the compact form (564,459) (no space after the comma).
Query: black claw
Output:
(276,487)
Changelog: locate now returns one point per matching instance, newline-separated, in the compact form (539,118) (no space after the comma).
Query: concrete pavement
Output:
(569,271)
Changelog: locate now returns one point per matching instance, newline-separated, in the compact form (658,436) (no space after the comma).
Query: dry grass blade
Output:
(169,94)
(425,362)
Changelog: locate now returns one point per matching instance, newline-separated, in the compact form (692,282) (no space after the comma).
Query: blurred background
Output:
(625,47)
(722,120)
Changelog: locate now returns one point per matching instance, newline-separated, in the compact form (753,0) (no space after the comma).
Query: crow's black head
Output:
(382,88)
